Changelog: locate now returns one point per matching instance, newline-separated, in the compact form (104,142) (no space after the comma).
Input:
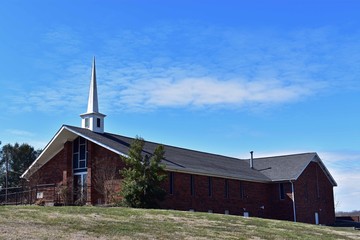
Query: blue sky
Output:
(227,77)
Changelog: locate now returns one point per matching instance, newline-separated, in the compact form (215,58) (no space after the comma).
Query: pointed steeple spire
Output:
(92,119)
(93,106)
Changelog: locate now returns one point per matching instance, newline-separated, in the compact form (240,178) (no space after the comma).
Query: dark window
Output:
(171,183)
(82,151)
(79,153)
(75,160)
(82,164)
(192,185)
(82,140)
(242,190)
(98,122)
(76,145)
(87,122)
(210,186)
(282,191)
(226,189)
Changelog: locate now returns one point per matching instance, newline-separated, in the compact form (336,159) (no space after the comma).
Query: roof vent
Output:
(252,159)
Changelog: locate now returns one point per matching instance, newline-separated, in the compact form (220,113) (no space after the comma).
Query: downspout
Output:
(293,198)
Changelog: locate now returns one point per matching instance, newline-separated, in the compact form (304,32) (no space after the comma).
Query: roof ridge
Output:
(286,155)
(181,148)
(203,152)
(167,145)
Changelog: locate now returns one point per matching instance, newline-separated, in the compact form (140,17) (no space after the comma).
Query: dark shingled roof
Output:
(269,169)
(180,159)
(287,167)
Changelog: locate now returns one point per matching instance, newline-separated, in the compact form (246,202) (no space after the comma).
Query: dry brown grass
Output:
(125,223)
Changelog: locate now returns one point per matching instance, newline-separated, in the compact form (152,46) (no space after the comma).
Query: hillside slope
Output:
(30,222)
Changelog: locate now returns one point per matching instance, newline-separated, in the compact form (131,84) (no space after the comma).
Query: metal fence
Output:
(28,195)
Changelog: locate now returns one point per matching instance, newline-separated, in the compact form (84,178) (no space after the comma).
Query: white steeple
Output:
(93,100)
(92,119)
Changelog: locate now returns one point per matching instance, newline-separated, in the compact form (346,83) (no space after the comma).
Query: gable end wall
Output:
(314,193)
(57,171)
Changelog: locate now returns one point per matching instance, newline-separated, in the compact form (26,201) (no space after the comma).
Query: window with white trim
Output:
(79,155)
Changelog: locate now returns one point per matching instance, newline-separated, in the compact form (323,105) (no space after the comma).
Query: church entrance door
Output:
(80,188)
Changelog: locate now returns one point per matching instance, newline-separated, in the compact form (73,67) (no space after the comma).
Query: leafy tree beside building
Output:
(14,160)
(142,176)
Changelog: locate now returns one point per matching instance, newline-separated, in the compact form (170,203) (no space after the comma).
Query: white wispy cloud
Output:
(347,193)
(63,39)
(23,136)
(19,132)
(342,161)
(179,65)
(199,92)
(345,168)
(58,93)
(149,90)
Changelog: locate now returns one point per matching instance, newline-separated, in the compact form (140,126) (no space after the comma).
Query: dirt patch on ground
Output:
(198,222)
(28,231)
(32,231)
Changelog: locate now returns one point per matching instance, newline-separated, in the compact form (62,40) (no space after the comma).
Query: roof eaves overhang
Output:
(97,142)
(326,171)
(55,145)
(215,175)
(318,160)
(306,165)
(283,180)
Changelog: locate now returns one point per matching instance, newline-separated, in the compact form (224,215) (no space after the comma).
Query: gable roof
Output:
(289,167)
(177,159)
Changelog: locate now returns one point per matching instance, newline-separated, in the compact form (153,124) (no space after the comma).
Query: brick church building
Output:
(295,187)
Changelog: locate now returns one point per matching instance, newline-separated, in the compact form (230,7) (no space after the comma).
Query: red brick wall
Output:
(99,160)
(255,196)
(57,171)
(282,209)
(311,183)
(314,193)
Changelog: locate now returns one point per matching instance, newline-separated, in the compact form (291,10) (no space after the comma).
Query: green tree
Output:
(14,160)
(142,176)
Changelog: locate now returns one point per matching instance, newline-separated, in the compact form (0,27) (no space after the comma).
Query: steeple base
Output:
(93,122)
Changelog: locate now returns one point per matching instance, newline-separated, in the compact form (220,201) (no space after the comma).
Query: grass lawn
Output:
(32,222)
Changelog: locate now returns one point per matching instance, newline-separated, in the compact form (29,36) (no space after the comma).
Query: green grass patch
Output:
(32,222)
